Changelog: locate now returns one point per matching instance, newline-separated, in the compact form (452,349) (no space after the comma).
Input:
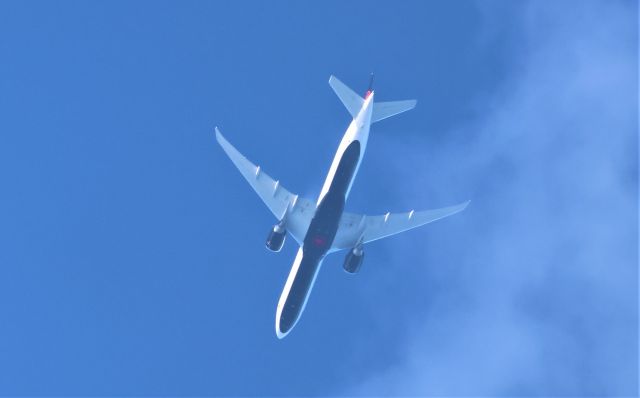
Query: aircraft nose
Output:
(287,320)
(281,333)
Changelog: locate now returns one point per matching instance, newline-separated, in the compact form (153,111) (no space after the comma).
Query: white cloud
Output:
(543,297)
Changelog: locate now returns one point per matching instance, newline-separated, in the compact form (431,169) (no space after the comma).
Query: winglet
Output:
(463,205)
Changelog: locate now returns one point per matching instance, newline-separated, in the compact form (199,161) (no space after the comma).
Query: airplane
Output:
(324,227)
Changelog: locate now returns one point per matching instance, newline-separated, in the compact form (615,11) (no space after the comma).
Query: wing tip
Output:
(219,135)
(460,207)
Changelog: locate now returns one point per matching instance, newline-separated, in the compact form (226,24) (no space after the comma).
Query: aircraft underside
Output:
(323,227)
(319,239)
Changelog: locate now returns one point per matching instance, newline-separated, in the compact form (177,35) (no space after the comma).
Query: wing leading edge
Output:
(356,228)
(281,202)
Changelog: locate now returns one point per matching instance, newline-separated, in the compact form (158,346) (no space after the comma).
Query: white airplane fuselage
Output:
(324,225)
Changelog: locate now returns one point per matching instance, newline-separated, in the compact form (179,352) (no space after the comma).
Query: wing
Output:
(356,228)
(299,211)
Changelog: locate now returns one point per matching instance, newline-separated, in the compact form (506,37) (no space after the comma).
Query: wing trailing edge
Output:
(356,228)
(282,203)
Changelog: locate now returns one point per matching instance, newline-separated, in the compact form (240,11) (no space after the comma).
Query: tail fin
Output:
(383,110)
(352,101)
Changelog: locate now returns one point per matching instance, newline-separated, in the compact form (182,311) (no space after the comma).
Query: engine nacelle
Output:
(276,237)
(353,260)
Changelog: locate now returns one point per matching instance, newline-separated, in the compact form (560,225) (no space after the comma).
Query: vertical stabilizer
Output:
(370,89)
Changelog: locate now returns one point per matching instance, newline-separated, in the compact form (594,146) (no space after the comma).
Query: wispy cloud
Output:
(539,290)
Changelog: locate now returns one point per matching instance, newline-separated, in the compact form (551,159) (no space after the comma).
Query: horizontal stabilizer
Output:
(383,110)
(352,101)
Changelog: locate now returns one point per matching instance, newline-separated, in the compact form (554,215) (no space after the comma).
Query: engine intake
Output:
(353,260)
(276,238)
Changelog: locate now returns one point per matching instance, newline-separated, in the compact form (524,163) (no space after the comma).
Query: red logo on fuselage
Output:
(319,240)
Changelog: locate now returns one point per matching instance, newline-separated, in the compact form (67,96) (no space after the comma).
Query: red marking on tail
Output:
(367,94)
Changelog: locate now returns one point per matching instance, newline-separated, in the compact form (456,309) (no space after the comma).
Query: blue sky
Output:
(133,259)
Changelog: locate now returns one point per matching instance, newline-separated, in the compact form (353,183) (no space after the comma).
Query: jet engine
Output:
(353,260)
(276,237)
